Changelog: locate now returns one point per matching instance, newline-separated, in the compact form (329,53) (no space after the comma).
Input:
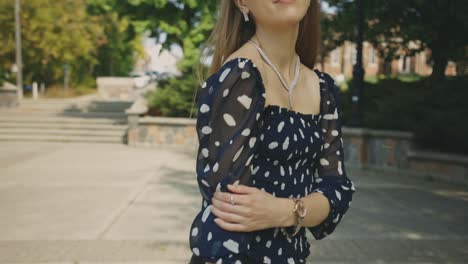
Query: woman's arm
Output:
(318,208)
(333,191)
(230,107)
(267,210)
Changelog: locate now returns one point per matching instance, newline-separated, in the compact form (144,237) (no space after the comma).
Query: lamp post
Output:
(19,64)
(358,71)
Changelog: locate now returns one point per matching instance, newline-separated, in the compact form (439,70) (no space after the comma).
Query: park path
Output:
(112,203)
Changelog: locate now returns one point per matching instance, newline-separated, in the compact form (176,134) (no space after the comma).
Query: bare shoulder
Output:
(310,74)
(245,51)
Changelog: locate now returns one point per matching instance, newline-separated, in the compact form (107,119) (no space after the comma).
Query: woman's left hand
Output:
(253,209)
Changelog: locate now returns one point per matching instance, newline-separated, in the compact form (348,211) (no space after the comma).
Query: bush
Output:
(433,111)
(174,97)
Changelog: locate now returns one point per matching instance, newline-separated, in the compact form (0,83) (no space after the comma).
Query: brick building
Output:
(340,61)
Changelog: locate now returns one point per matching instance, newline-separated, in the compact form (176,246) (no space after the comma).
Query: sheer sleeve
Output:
(230,105)
(331,179)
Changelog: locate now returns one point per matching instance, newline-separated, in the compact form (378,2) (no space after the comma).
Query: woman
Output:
(270,160)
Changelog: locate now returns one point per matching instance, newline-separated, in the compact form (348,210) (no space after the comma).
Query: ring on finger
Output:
(232,199)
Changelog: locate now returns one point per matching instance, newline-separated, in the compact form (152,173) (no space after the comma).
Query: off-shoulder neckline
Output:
(280,108)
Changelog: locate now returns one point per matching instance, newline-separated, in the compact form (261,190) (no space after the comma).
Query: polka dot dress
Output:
(281,151)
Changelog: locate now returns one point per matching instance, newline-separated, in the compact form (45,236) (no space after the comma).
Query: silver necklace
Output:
(289,88)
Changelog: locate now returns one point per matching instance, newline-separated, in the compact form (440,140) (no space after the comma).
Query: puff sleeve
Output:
(331,179)
(230,106)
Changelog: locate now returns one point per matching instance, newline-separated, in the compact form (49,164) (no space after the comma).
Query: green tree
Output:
(53,33)
(186,23)
(439,25)
(122,45)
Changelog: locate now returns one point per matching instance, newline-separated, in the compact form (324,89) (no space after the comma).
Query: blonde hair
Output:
(231,32)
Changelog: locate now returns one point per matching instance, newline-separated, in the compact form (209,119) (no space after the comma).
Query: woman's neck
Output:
(280,47)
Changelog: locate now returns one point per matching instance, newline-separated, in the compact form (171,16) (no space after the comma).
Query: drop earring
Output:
(246,16)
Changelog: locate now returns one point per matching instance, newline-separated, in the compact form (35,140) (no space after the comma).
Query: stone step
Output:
(73,109)
(59,132)
(72,100)
(92,106)
(63,125)
(25,110)
(87,97)
(46,100)
(61,120)
(76,119)
(61,138)
(83,119)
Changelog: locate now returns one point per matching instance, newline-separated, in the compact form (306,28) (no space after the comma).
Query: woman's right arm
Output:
(230,104)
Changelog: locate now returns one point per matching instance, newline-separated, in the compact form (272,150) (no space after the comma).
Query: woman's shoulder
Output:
(331,85)
(232,67)
(325,77)
(331,91)
(239,64)
(235,90)
(236,74)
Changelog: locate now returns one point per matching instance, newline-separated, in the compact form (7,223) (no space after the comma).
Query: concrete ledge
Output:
(8,95)
(116,88)
(146,131)
(156,120)
(352,131)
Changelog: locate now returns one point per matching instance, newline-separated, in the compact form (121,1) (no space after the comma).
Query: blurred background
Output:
(98,141)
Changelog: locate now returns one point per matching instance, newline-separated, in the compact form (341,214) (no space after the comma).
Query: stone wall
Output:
(156,131)
(393,152)
(381,151)
(380,148)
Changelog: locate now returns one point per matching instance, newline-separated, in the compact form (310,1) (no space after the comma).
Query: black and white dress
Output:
(284,152)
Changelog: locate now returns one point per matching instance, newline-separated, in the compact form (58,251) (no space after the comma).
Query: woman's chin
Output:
(286,21)
(289,15)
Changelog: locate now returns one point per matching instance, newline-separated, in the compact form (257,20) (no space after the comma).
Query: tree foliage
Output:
(439,25)
(183,22)
(88,35)
(53,33)
(123,39)
(186,23)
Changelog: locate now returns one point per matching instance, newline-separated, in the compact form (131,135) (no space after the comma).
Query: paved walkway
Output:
(111,203)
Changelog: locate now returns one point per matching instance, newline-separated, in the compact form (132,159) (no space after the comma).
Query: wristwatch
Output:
(300,211)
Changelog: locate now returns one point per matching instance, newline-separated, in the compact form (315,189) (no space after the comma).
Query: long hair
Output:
(230,32)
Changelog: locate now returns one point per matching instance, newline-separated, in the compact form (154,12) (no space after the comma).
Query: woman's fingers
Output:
(240,188)
(226,197)
(237,216)
(230,208)
(227,216)
(231,226)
